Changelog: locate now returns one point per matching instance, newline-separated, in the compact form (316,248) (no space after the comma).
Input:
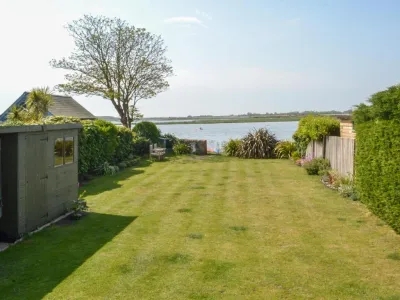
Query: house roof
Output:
(67,106)
(62,106)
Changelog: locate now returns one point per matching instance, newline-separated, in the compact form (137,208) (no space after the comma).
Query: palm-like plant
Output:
(232,147)
(285,149)
(38,102)
(17,114)
(258,144)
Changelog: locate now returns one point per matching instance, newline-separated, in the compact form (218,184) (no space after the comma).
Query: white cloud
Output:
(185,20)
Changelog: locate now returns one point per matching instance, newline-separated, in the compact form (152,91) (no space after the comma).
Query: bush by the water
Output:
(147,130)
(182,148)
(285,149)
(231,148)
(314,128)
(259,143)
(317,166)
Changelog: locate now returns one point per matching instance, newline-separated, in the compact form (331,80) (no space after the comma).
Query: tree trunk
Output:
(124,121)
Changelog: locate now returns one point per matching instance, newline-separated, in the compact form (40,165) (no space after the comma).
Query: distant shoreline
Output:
(237,120)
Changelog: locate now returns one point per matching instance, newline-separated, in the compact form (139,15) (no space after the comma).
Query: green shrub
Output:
(317,166)
(107,169)
(61,120)
(348,191)
(133,162)
(377,168)
(259,143)
(127,163)
(122,165)
(140,146)
(97,143)
(295,156)
(182,148)
(285,149)
(231,148)
(147,130)
(314,128)
(130,163)
(125,144)
(110,137)
(79,208)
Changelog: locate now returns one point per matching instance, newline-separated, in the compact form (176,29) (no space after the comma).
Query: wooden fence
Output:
(339,151)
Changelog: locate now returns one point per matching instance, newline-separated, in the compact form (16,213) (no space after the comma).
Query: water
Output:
(217,134)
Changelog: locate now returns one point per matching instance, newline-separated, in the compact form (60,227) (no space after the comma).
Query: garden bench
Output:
(157,152)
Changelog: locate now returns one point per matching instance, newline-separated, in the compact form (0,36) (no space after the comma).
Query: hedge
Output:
(125,144)
(97,143)
(377,168)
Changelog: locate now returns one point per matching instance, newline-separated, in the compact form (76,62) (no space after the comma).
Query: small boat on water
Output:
(201,128)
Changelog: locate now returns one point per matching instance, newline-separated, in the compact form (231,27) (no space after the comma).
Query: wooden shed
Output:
(38,176)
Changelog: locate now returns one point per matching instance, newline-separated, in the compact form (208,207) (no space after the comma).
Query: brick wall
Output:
(199,147)
(346,130)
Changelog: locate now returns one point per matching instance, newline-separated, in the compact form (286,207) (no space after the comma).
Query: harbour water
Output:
(217,134)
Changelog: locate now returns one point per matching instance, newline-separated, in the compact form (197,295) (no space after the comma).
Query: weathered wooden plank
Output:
(339,151)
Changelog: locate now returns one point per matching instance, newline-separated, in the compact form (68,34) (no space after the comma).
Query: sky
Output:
(229,57)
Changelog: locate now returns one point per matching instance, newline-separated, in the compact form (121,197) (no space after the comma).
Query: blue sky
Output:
(229,57)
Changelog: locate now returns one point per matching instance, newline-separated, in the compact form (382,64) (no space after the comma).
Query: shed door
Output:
(36,180)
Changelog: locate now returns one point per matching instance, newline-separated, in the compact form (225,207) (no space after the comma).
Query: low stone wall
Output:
(199,147)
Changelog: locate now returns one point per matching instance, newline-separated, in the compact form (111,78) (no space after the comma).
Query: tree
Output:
(116,61)
(38,102)
(37,105)
(383,105)
(134,114)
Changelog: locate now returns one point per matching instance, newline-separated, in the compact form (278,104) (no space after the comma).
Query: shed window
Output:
(69,150)
(58,152)
(63,151)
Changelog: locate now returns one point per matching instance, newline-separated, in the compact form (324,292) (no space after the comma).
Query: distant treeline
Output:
(258,115)
(249,117)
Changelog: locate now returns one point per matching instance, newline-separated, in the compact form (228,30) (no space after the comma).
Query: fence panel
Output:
(339,151)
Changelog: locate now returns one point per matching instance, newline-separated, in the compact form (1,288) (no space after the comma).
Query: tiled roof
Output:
(67,106)
(62,106)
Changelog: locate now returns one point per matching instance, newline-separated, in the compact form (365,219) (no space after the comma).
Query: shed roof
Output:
(62,106)
(35,128)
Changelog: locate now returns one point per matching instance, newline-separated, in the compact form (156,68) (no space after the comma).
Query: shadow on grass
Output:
(34,267)
(109,182)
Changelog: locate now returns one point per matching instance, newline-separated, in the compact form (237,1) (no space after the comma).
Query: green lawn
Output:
(209,228)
